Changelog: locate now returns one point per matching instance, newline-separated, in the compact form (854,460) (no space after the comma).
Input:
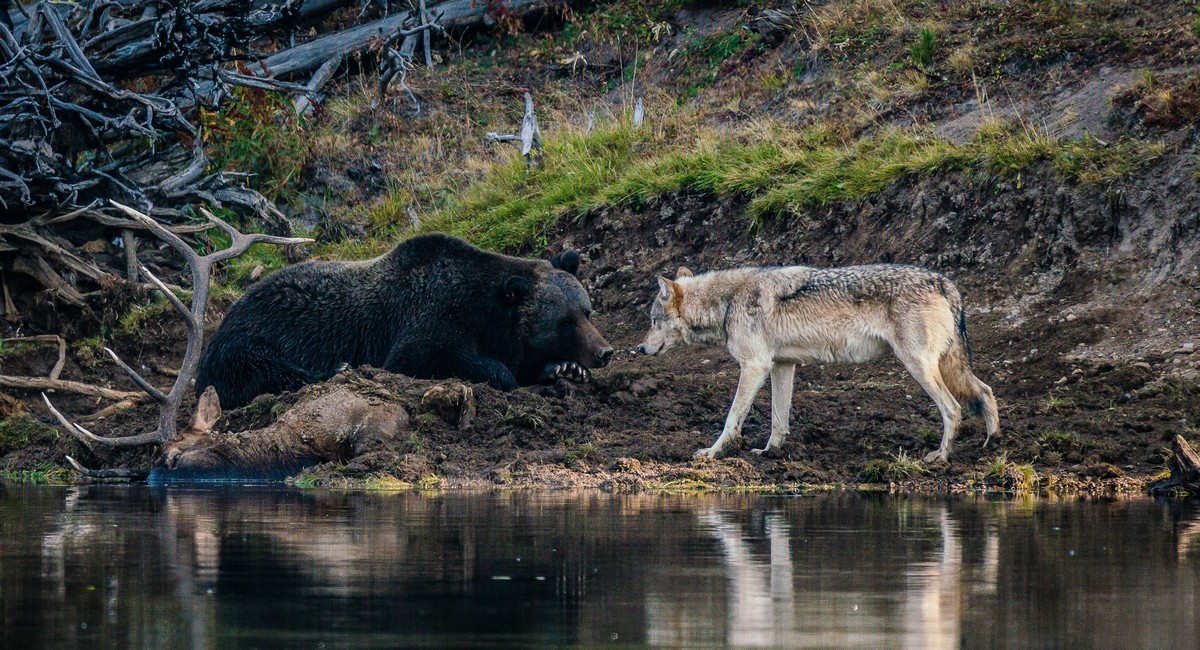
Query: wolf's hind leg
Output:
(930,378)
(749,383)
(782,376)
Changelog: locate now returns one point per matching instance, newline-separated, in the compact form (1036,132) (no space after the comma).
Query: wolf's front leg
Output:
(749,383)
(782,376)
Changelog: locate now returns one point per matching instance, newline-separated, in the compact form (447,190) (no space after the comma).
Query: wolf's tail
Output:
(955,367)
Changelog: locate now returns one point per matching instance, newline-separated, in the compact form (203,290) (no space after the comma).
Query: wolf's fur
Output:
(770,319)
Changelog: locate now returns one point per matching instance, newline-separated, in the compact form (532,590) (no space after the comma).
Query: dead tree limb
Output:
(1185,469)
(320,78)
(78,388)
(530,138)
(201,270)
(312,54)
(47,338)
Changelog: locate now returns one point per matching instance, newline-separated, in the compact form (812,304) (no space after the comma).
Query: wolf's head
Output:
(667,326)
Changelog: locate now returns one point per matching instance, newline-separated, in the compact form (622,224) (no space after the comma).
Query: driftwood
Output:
(73,135)
(1185,470)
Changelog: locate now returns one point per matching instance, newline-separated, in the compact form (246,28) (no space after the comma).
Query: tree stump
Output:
(1185,469)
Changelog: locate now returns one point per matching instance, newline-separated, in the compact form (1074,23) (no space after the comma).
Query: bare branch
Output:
(138,379)
(47,338)
(79,388)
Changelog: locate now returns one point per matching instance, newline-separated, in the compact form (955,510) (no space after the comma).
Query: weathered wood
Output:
(530,138)
(59,341)
(307,56)
(312,54)
(322,76)
(78,388)
(1185,469)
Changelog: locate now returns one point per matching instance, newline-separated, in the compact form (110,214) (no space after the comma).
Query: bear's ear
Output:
(515,290)
(683,272)
(566,261)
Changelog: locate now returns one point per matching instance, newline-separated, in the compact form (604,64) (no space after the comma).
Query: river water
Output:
(242,567)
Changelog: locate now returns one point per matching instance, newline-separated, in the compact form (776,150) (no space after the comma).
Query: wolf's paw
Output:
(770,451)
(938,456)
(707,452)
(568,370)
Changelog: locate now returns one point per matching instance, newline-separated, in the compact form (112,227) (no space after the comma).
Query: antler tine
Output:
(134,474)
(171,298)
(243,241)
(162,231)
(87,437)
(138,379)
(220,223)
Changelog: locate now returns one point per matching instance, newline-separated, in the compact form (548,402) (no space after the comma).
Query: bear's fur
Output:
(434,307)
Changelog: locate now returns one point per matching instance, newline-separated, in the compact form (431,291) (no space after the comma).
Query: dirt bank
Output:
(1080,312)
(1081,297)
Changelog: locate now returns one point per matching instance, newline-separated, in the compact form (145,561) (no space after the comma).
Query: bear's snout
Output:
(604,357)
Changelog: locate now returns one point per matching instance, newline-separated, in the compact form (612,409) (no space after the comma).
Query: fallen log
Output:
(1185,470)
(310,55)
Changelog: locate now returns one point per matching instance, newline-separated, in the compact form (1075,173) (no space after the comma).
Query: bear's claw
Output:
(568,370)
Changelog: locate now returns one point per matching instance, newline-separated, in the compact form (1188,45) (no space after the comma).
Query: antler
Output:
(201,270)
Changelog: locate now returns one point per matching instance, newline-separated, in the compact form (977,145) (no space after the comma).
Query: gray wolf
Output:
(770,319)
(433,307)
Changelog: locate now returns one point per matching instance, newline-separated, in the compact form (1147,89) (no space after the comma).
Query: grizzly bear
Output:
(434,307)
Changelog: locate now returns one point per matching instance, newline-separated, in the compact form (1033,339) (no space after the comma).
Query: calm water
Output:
(136,567)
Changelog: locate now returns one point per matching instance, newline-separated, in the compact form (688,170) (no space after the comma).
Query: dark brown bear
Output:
(434,307)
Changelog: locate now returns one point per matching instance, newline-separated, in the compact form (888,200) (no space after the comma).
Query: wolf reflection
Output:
(234,569)
(775,600)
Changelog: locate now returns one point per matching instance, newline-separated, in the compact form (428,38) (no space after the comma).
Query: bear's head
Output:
(555,315)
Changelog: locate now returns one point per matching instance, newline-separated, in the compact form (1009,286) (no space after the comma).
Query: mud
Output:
(1081,314)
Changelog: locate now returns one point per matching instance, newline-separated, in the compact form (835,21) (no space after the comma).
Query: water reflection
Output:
(151,568)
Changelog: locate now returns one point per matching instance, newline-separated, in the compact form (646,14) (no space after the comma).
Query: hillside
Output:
(1042,153)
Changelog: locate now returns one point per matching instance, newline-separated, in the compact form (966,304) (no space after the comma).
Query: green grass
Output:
(1015,476)
(17,432)
(900,467)
(258,133)
(922,51)
(782,172)
(42,475)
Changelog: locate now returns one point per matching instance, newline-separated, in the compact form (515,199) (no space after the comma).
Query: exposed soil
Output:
(1082,300)
(1080,321)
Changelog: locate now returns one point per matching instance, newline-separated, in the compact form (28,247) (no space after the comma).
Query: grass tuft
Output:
(921,52)
(1011,475)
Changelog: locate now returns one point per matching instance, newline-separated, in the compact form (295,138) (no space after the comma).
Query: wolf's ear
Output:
(670,291)
(515,290)
(683,272)
(566,261)
(666,288)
